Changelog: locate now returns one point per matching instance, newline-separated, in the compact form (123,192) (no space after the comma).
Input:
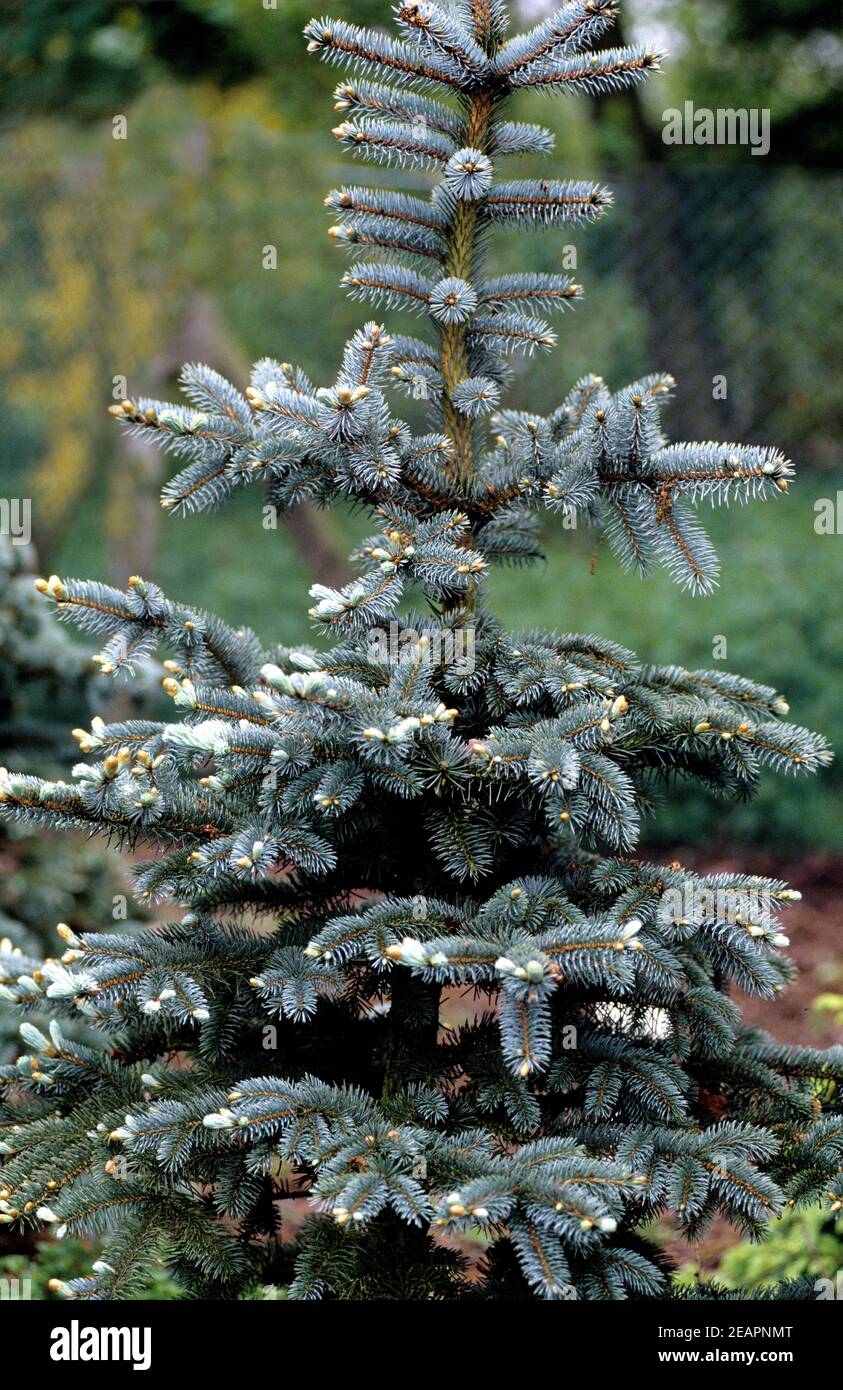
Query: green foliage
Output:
(799,1243)
(65,1260)
(94,54)
(353,832)
(781,57)
(46,680)
(46,684)
(830,1004)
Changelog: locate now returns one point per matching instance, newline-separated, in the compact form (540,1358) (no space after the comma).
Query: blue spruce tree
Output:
(353,830)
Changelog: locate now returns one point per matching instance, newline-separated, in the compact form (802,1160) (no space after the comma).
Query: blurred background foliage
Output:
(47,684)
(123,257)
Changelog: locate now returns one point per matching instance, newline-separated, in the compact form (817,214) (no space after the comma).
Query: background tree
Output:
(47,682)
(785,57)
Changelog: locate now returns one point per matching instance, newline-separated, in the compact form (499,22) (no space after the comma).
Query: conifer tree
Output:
(359,829)
(46,679)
